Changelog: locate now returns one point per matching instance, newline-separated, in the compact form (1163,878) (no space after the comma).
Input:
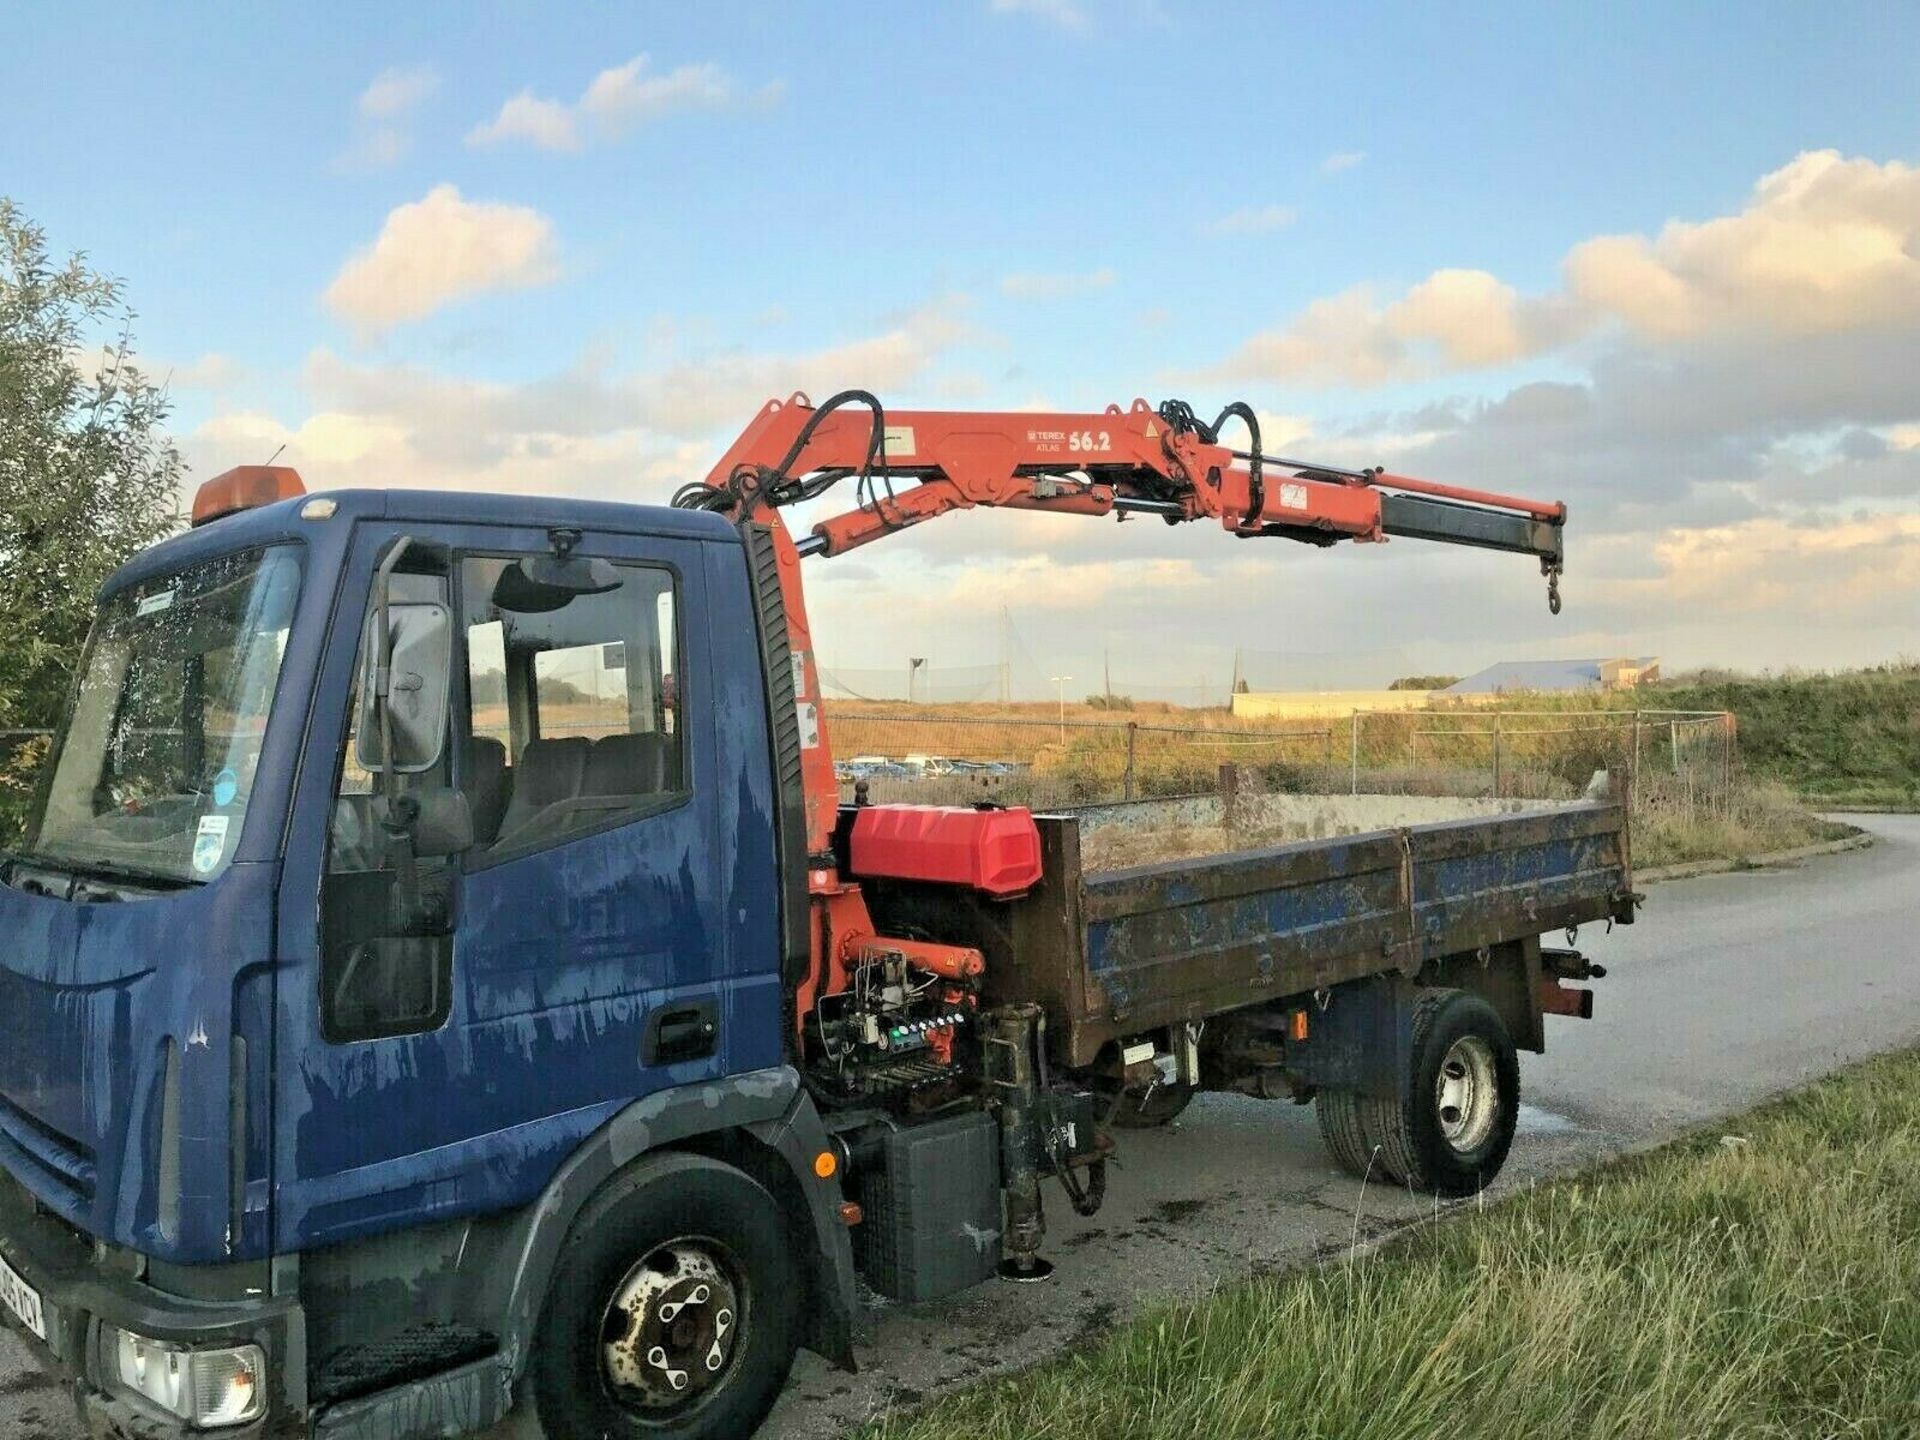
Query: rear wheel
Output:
(1451,1133)
(673,1311)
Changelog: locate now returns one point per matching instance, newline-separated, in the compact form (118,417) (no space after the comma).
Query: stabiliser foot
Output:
(1025,1270)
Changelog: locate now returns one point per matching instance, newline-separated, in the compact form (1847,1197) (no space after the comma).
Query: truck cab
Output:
(297,1038)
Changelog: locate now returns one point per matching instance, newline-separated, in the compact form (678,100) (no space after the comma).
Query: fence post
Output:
(1726,763)
(1633,772)
(1229,795)
(1133,732)
(1496,754)
(1353,724)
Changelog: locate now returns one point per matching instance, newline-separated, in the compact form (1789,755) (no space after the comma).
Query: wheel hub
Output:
(673,1327)
(1467,1094)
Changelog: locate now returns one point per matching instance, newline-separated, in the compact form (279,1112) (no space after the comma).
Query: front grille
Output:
(42,1154)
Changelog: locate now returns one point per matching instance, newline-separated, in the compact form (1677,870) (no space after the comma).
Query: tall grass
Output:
(1673,822)
(1762,1284)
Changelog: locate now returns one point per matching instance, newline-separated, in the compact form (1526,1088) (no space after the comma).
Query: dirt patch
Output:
(1174,1212)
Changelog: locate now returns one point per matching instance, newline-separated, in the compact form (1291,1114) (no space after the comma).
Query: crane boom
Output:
(1140,460)
(910,466)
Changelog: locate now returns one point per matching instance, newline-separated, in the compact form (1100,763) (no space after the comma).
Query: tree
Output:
(1424,682)
(88,474)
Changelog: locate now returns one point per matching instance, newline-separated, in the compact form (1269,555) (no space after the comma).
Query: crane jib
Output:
(1420,518)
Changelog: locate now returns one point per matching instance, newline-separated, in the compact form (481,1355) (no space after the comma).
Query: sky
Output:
(1661,262)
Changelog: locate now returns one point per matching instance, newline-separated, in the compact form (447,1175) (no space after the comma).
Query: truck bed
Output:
(1113,954)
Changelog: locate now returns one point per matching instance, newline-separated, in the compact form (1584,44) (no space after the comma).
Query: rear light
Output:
(245,487)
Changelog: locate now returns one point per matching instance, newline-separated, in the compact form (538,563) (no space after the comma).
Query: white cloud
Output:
(1255,220)
(1341,160)
(548,124)
(1838,569)
(1034,285)
(344,449)
(1824,243)
(712,394)
(382,130)
(588,430)
(614,102)
(1067,14)
(1453,319)
(377,148)
(439,250)
(211,371)
(397,91)
(628,95)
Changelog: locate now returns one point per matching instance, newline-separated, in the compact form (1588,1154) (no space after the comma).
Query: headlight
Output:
(203,1387)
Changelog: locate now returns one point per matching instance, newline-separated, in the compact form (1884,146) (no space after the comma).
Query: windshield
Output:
(155,763)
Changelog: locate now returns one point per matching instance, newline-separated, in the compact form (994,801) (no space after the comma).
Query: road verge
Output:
(1754,1280)
(1859,840)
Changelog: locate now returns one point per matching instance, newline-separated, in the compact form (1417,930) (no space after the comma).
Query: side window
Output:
(575,719)
(386,912)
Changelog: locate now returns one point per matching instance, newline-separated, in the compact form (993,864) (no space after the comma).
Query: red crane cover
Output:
(997,851)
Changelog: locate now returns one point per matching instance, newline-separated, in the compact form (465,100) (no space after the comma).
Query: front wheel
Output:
(673,1311)
(1451,1133)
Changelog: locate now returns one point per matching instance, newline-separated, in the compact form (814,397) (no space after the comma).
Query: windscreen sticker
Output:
(226,785)
(153,604)
(209,844)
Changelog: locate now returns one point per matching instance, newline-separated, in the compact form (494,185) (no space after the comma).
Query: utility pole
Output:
(1007,655)
(1061,681)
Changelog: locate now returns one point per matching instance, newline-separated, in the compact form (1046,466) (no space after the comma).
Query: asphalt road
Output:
(1731,988)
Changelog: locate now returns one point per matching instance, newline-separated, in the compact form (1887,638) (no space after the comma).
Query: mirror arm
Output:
(398,821)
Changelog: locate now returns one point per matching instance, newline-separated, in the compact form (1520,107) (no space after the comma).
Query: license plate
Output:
(23,1300)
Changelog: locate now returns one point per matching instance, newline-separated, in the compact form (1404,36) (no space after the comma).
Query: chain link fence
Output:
(1651,756)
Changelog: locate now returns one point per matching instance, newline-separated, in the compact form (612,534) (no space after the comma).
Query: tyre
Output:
(1144,1109)
(673,1311)
(1343,1128)
(1451,1134)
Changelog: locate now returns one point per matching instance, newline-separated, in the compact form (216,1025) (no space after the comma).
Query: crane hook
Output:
(1553,591)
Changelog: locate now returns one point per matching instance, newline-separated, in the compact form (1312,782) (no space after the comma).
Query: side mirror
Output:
(417,677)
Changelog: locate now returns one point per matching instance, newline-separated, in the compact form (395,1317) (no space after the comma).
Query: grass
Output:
(1850,737)
(1672,826)
(1757,1285)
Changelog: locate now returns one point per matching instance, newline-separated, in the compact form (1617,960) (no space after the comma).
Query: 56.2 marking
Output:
(1089,440)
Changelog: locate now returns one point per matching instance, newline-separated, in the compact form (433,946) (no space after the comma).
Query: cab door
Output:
(587,954)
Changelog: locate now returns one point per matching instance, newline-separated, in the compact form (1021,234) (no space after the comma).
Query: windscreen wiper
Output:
(79,870)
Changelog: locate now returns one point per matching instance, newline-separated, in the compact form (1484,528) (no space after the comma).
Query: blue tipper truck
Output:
(440,971)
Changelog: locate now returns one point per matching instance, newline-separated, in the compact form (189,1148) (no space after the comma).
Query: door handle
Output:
(682,1032)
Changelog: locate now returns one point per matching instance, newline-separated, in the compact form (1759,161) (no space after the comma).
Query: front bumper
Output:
(83,1286)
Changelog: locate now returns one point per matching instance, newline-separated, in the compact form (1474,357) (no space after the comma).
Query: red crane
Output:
(910,466)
